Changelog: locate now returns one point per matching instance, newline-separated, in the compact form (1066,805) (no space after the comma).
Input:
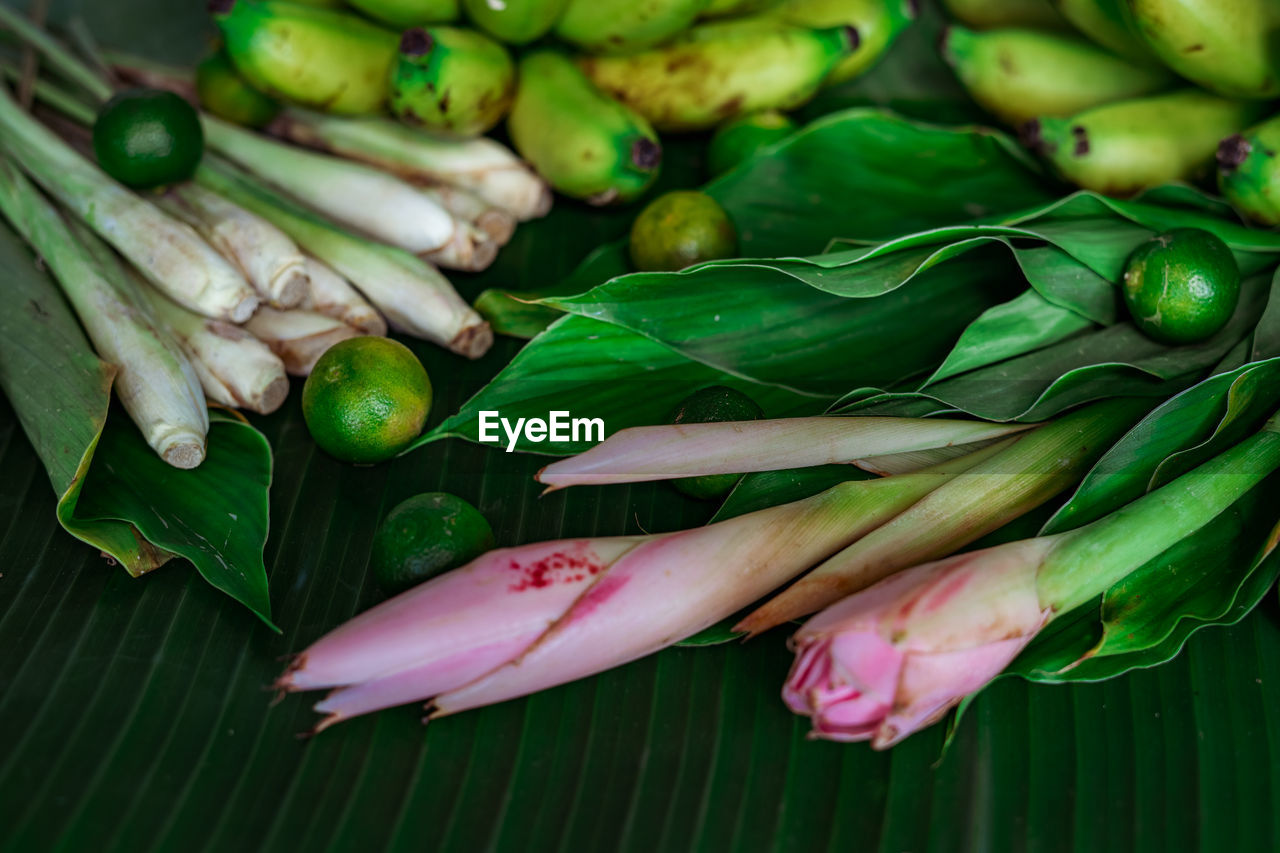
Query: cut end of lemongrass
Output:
(470,250)
(290,286)
(499,225)
(473,341)
(273,396)
(184,452)
(245,308)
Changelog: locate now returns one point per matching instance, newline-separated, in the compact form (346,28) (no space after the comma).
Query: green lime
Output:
(366,399)
(681,228)
(713,404)
(148,138)
(1181,286)
(227,95)
(425,536)
(737,140)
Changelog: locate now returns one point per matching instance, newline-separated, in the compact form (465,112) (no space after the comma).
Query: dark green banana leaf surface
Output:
(135,714)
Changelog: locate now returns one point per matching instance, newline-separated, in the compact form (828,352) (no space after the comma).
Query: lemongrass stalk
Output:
(333,296)
(481,165)
(496,223)
(156,383)
(506,605)
(894,658)
(66,63)
(299,338)
(169,253)
(410,293)
(1036,467)
(669,451)
(271,262)
(235,368)
(387,209)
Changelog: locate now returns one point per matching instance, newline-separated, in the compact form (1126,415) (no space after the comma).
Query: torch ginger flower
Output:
(521,619)
(894,658)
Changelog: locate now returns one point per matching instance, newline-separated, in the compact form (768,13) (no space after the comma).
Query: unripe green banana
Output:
(323,59)
(739,139)
(733,8)
(986,14)
(514,21)
(623,26)
(452,80)
(878,22)
(1227,46)
(403,14)
(1108,23)
(223,92)
(719,71)
(1128,146)
(1018,74)
(585,144)
(1249,173)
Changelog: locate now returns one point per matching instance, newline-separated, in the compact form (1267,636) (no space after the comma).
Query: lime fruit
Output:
(737,140)
(425,536)
(679,229)
(366,399)
(148,138)
(1181,286)
(713,404)
(229,96)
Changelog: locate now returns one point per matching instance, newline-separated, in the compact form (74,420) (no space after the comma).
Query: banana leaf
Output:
(135,719)
(114,493)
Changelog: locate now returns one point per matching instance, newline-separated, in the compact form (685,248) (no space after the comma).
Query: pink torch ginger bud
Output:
(887,662)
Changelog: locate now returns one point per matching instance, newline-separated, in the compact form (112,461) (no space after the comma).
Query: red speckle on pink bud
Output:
(571,565)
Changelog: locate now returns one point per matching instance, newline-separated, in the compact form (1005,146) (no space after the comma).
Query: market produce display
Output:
(929,404)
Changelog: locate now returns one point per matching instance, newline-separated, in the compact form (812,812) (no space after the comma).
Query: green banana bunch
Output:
(1018,74)
(878,22)
(623,26)
(718,71)
(1227,46)
(1249,173)
(986,14)
(403,14)
(733,8)
(1108,23)
(585,144)
(1121,148)
(514,21)
(452,80)
(320,58)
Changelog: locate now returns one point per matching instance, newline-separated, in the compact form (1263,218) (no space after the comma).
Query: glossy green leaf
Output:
(215,515)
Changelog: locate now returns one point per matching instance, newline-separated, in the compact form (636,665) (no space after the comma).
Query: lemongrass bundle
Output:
(410,293)
(388,209)
(299,338)
(235,368)
(156,383)
(482,166)
(168,252)
(270,261)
